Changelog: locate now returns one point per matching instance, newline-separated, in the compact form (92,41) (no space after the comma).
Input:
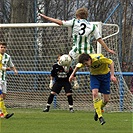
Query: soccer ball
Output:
(65,60)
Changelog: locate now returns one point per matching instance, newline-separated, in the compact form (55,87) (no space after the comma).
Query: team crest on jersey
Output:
(96,66)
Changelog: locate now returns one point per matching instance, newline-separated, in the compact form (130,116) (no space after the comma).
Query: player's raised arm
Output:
(113,78)
(57,21)
(15,70)
(73,73)
(100,40)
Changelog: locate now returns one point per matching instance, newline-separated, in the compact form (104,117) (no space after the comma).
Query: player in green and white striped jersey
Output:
(81,32)
(7,65)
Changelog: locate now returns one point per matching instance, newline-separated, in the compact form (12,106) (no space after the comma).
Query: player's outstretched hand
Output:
(51,84)
(114,79)
(15,72)
(76,85)
(71,78)
(111,51)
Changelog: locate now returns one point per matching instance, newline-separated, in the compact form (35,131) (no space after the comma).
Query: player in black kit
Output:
(60,78)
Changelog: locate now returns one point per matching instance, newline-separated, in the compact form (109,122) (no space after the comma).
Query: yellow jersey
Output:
(0,61)
(100,64)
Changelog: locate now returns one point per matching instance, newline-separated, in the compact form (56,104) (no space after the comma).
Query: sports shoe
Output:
(9,115)
(101,120)
(95,116)
(1,115)
(71,110)
(46,110)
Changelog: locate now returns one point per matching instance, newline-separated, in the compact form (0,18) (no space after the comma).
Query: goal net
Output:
(34,48)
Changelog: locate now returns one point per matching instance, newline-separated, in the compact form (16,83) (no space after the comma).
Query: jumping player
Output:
(82,30)
(100,76)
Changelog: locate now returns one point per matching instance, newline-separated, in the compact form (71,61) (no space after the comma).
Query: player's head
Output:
(3,46)
(59,55)
(85,59)
(82,13)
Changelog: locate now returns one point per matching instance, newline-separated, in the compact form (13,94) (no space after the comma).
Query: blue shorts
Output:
(0,92)
(100,82)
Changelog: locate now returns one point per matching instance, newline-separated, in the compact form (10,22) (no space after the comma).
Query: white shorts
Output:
(3,87)
(74,55)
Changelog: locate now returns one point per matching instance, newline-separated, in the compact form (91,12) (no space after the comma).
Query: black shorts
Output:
(58,86)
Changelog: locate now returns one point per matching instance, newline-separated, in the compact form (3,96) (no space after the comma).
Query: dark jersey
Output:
(59,73)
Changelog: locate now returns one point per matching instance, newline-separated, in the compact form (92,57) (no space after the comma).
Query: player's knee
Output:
(106,101)
(68,94)
(95,95)
(106,98)
(52,92)
(4,96)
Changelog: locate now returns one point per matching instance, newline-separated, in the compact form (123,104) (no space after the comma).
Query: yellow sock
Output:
(97,106)
(2,107)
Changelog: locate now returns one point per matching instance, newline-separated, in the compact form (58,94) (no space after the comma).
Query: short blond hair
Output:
(82,13)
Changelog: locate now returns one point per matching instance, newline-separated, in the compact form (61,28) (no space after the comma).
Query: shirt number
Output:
(82,29)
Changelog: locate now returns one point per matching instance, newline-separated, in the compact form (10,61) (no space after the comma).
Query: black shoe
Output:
(9,115)
(101,120)
(46,110)
(71,110)
(95,116)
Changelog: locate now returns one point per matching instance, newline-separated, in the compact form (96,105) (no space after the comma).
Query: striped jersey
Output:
(82,30)
(6,62)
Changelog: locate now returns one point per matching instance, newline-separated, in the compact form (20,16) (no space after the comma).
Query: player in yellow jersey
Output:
(100,76)
(2,105)
(0,61)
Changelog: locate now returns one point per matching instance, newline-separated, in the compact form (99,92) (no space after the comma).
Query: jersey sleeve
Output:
(10,63)
(68,22)
(79,65)
(0,57)
(53,72)
(106,60)
(96,32)
(0,61)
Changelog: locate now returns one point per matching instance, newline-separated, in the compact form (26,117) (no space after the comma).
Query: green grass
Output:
(36,121)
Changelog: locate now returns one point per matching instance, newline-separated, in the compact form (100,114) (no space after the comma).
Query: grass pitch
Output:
(55,121)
